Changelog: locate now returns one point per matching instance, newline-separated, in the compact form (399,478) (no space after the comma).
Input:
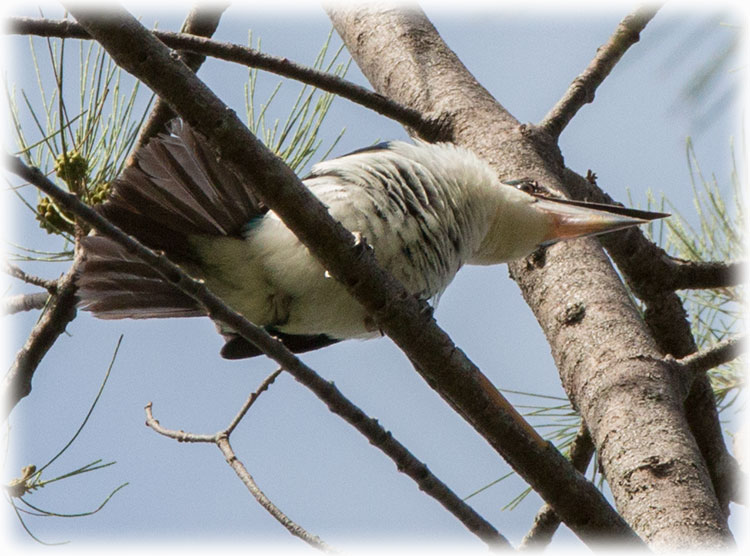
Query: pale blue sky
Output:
(320,471)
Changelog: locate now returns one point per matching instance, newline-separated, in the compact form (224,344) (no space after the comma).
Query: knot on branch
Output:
(572,313)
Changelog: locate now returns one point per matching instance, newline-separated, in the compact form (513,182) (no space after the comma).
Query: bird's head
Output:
(526,217)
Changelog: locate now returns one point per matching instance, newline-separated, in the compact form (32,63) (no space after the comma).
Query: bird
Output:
(425,209)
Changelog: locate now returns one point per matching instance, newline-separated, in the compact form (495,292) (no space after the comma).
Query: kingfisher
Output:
(425,210)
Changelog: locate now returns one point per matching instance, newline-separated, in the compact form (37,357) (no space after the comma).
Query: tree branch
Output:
(651,272)
(60,311)
(583,87)
(608,361)
(652,276)
(16,272)
(202,20)
(23,302)
(250,57)
(247,479)
(220,312)
(221,439)
(694,275)
(547,521)
(710,358)
(249,402)
(407,320)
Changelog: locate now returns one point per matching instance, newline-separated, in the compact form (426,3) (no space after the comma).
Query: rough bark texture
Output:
(53,321)
(608,361)
(403,317)
(652,275)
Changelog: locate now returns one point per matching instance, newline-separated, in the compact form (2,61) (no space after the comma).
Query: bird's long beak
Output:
(571,219)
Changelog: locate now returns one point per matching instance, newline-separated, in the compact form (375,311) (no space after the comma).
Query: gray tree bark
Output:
(609,364)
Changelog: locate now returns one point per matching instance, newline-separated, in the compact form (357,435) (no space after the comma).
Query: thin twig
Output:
(23,302)
(250,57)
(60,311)
(710,358)
(250,401)
(202,20)
(178,435)
(547,521)
(221,439)
(263,500)
(16,272)
(583,87)
(327,392)
(405,318)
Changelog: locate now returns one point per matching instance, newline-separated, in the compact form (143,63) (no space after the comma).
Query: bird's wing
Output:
(237,347)
(175,188)
(114,284)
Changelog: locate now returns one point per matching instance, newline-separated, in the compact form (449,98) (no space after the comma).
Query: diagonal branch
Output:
(583,88)
(221,439)
(710,358)
(404,318)
(239,468)
(647,269)
(202,20)
(546,520)
(249,402)
(60,311)
(220,312)
(252,58)
(23,302)
(608,361)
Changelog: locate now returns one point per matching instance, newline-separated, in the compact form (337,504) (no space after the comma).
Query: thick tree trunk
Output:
(609,364)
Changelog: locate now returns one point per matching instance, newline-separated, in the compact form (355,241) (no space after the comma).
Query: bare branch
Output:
(693,275)
(178,435)
(62,28)
(583,88)
(15,271)
(60,311)
(376,435)
(252,58)
(547,521)
(202,20)
(710,358)
(247,479)
(407,320)
(221,439)
(219,311)
(648,269)
(23,302)
(250,401)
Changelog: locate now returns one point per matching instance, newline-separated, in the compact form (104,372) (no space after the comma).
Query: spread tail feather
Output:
(115,284)
(175,188)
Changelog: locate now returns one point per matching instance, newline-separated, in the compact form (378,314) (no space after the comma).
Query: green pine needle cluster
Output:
(296,140)
(84,144)
(84,128)
(715,314)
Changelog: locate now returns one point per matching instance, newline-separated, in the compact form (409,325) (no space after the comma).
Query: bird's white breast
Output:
(417,215)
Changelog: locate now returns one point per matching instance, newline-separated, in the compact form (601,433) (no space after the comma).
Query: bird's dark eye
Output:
(526,185)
